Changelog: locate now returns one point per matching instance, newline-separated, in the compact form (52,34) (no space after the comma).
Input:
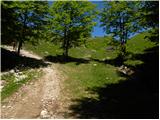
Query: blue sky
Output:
(97,30)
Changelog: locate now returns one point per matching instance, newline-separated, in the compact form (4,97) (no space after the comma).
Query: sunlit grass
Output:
(138,44)
(13,82)
(85,76)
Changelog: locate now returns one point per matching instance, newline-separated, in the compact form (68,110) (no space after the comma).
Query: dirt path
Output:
(24,52)
(39,99)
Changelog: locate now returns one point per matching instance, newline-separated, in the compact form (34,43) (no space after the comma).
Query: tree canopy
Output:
(72,21)
(27,17)
(118,19)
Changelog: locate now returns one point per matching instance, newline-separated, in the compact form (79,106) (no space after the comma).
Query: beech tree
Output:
(148,17)
(71,22)
(118,19)
(29,17)
(8,23)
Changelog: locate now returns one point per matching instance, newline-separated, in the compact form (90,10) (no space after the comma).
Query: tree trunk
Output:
(22,34)
(66,49)
(19,46)
(65,45)
(66,52)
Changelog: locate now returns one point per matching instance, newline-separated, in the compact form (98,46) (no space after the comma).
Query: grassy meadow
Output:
(88,67)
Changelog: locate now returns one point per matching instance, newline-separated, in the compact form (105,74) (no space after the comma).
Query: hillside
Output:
(92,83)
(99,83)
(55,64)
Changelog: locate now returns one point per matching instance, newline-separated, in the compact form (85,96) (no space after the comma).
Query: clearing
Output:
(91,84)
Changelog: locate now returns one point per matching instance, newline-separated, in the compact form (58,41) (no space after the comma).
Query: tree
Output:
(71,22)
(149,14)
(8,23)
(30,18)
(148,17)
(118,19)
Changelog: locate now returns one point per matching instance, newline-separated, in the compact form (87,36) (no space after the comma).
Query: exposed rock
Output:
(22,77)
(44,114)
(31,83)
(125,70)
(3,106)
(9,106)
(1,88)
(19,77)
(20,73)
(2,82)
(11,71)
(16,70)
(33,103)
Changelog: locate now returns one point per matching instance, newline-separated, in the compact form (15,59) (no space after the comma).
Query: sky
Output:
(97,30)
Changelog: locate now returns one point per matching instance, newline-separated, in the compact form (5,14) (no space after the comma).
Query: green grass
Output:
(138,44)
(95,48)
(43,48)
(133,62)
(13,83)
(84,76)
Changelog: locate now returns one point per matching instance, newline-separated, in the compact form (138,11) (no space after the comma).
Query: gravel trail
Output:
(37,99)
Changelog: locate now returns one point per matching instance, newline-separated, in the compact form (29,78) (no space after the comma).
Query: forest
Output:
(55,65)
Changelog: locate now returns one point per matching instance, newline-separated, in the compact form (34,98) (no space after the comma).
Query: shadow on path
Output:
(62,60)
(11,60)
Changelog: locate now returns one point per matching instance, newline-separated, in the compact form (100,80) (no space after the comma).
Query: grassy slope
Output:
(137,45)
(82,76)
(87,75)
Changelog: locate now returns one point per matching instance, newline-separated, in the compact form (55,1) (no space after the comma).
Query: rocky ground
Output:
(38,99)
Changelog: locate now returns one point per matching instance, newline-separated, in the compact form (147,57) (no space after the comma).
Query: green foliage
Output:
(8,23)
(116,19)
(148,18)
(29,19)
(72,21)
(148,14)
